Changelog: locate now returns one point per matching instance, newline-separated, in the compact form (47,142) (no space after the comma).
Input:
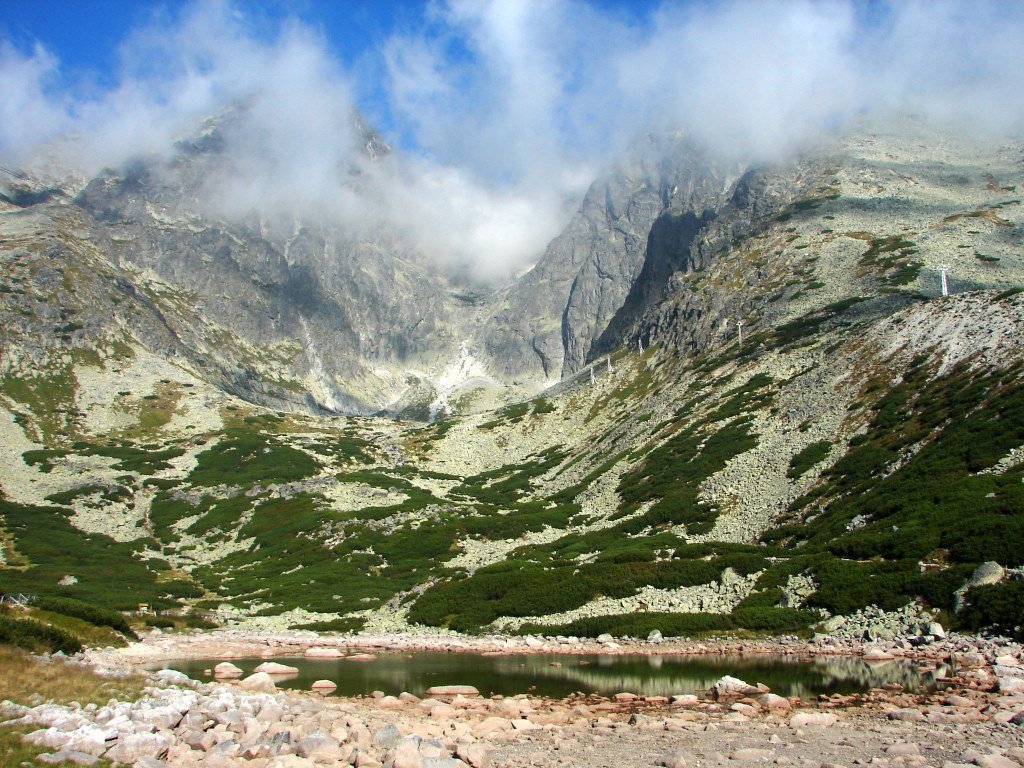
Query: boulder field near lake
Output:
(752,408)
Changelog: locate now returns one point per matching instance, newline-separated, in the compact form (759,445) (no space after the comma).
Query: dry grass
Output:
(29,680)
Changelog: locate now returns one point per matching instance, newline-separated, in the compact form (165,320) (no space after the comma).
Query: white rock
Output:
(173,677)
(773,701)
(317,652)
(813,719)
(136,745)
(732,686)
(1010,685)
(684,700)
(227,671)
(260,682)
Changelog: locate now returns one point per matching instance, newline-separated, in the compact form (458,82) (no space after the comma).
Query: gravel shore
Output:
(975,718)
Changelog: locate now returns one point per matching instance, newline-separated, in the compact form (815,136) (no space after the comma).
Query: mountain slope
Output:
(861,445)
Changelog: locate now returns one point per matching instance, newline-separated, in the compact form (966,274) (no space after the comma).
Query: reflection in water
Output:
(561,675)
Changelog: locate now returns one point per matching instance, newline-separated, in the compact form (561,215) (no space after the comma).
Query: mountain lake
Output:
(560,675)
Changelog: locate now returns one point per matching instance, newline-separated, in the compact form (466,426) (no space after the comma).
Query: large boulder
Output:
(131,748)
(260,682)
(273,668)
(173,677)
(987,573)
(732,686)
(227,671)
(318,652)
(320,748)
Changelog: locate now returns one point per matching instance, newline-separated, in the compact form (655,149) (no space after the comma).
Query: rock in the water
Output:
(318,652)
(227,671)
(732,686)
(877,654)
(273,668)
(323,686)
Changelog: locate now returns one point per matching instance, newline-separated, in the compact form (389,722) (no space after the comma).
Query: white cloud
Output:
(508,107)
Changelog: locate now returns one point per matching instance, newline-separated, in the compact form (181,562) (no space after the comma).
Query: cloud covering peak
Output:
(503,111)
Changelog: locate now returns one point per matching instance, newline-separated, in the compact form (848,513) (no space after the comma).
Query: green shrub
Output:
(160,623)
(34,636)
(772,619)
(110,573)
(639,625)
(996,607)
(249,458)
(334,625)
(96,615)
(807,458)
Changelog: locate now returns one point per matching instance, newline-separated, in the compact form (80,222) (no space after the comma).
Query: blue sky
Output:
(86,35)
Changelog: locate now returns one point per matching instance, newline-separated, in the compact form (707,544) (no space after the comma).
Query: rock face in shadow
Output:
(550,319)
(687,240)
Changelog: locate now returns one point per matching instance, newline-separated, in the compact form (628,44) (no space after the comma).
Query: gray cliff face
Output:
(311,300)
(294,312)
(643,216)
(683,239)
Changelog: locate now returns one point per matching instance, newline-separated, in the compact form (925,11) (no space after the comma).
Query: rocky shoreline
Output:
(975,718)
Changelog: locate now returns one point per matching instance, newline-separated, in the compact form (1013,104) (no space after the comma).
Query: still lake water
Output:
(558,676)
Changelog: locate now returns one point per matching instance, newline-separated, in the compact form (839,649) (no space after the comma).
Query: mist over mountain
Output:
(500,114)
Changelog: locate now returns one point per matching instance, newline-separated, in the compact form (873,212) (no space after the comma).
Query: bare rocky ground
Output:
(974,719)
